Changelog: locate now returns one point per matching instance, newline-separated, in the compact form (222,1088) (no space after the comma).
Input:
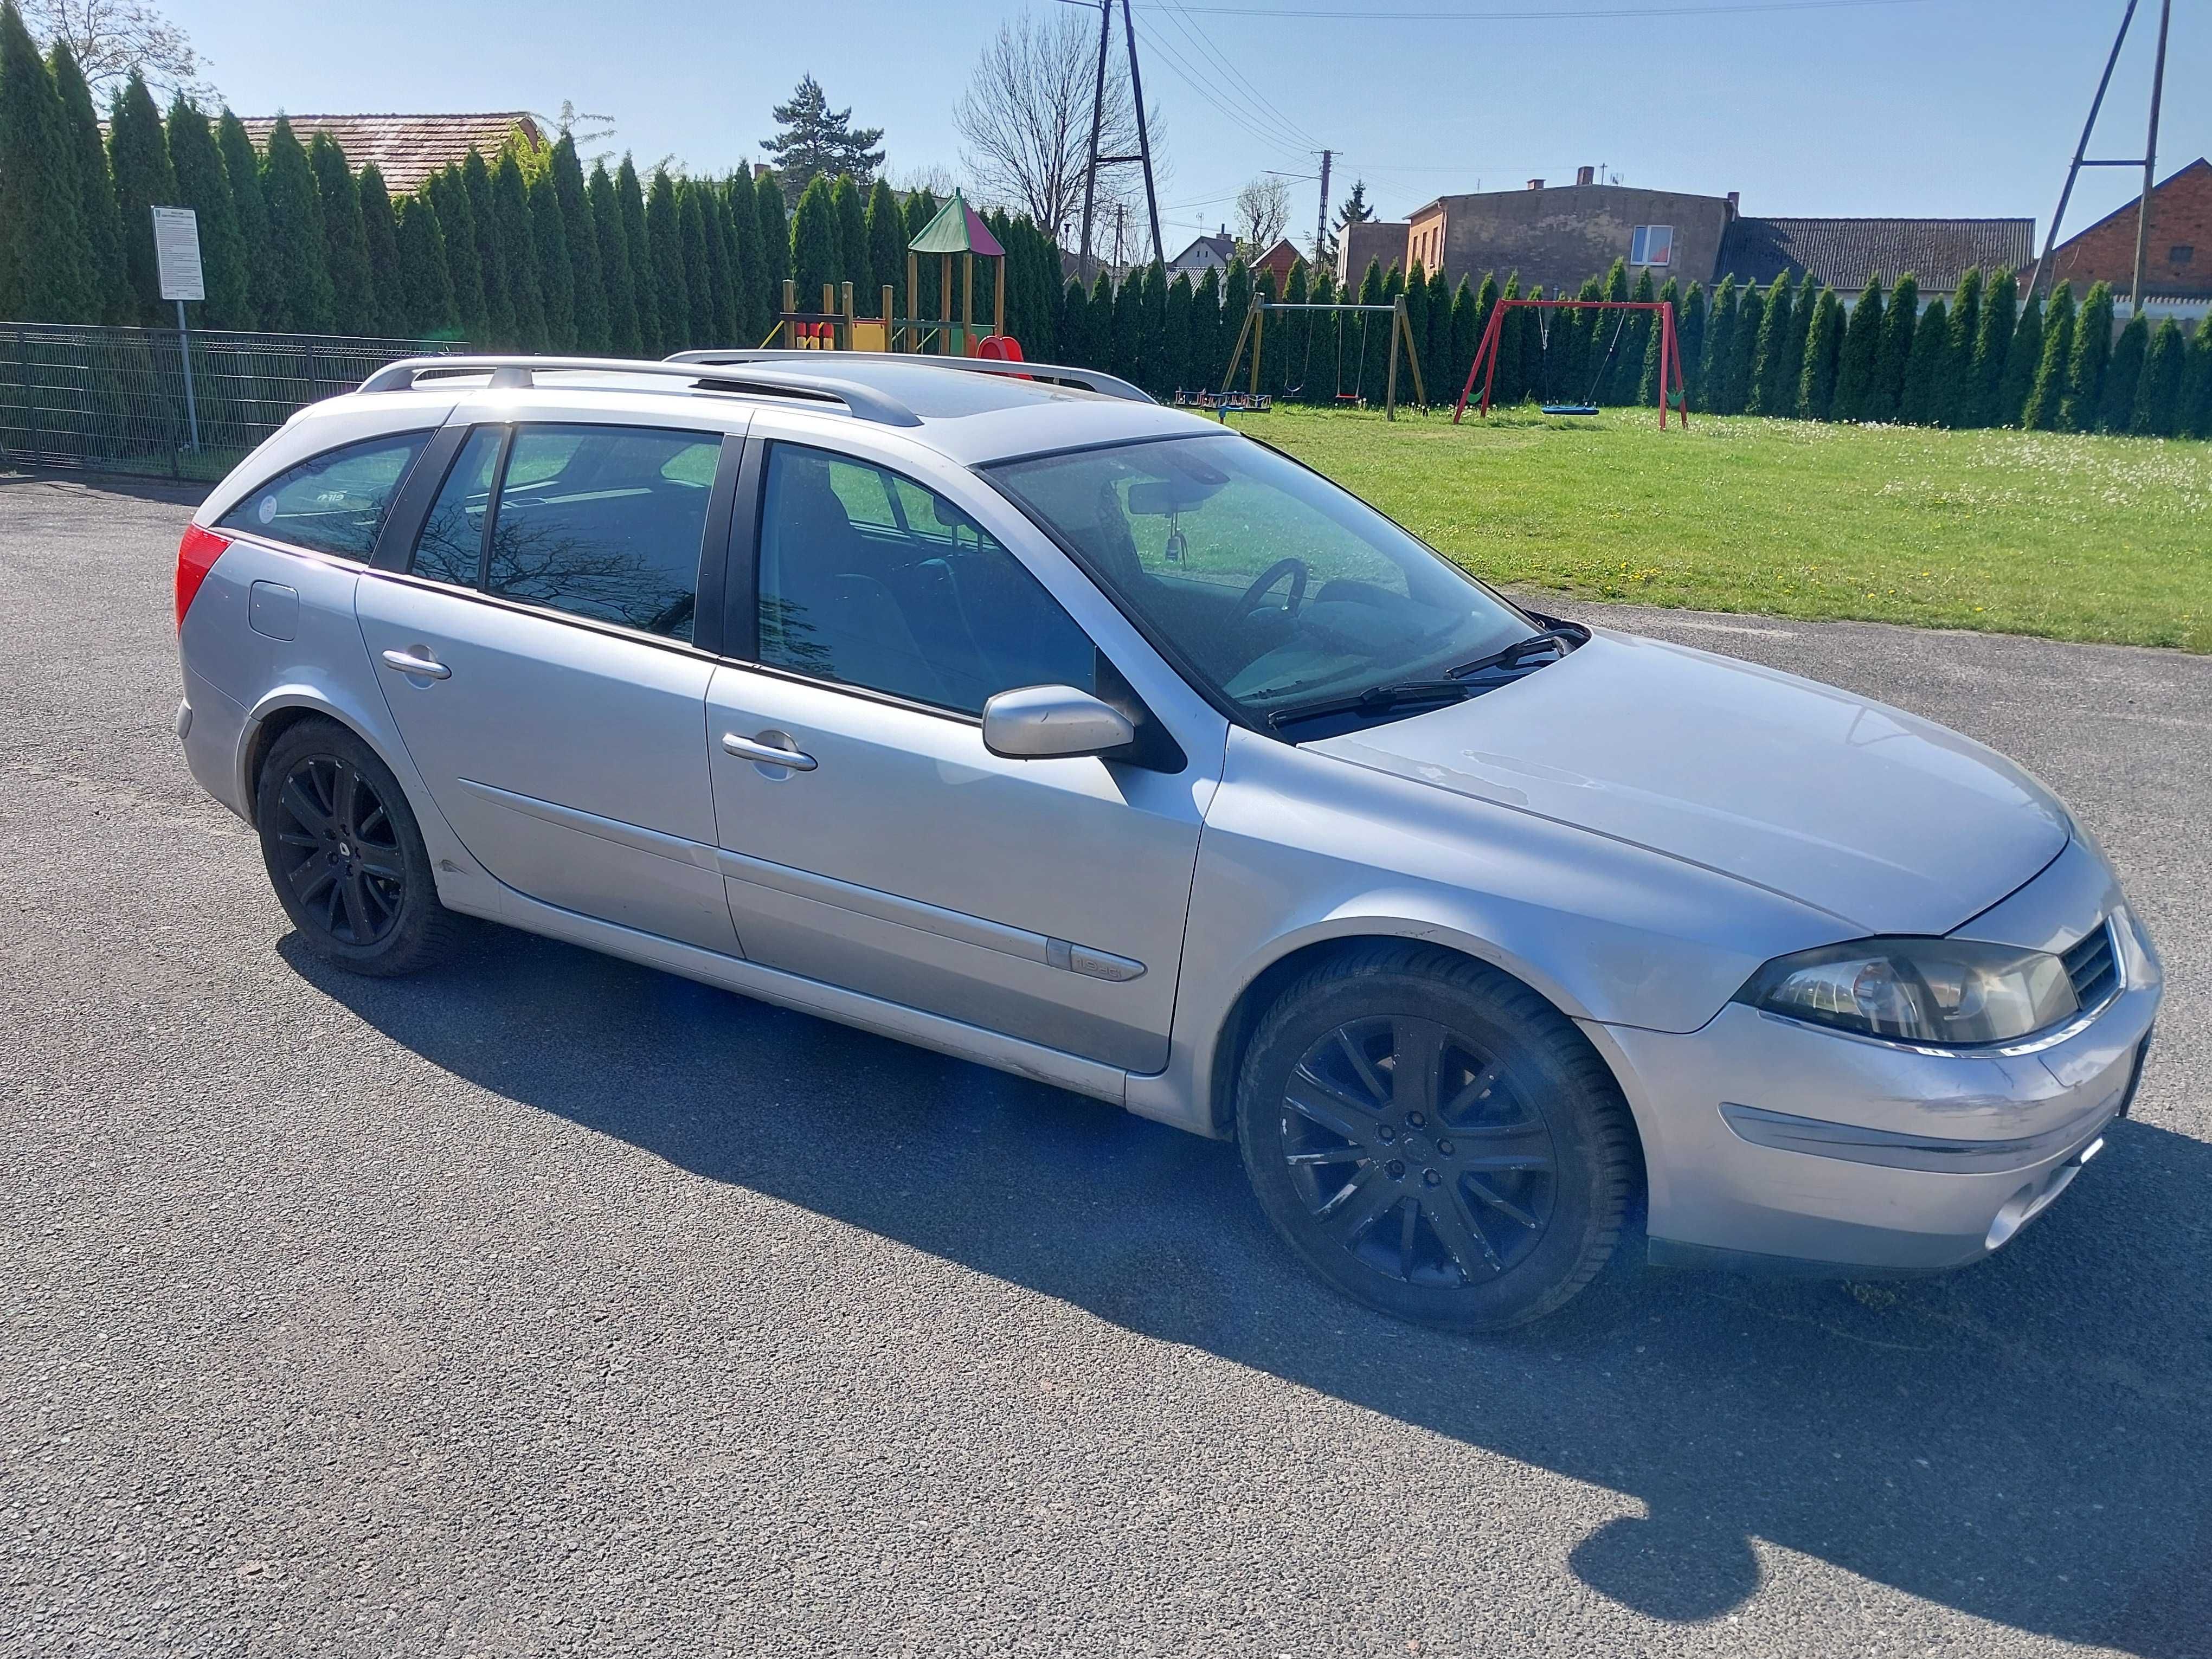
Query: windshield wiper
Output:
(1561,636)
(1376,700)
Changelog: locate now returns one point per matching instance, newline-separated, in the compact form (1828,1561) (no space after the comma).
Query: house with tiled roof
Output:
(408,149)
(1841,253)
(2176,282)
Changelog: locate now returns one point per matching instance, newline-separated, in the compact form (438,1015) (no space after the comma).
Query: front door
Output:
(537,660)
(894,854)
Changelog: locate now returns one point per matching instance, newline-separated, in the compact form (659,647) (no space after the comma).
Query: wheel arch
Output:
(285,707)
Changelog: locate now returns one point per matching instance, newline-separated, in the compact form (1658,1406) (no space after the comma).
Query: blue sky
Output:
(1899,106)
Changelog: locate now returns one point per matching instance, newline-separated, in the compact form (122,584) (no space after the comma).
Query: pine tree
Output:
(630,203)
(138,159)
(814,243)
(748,271)
(502,329)
(380,237)
(1690,335)
(1861,362)
(1709,390)
(95,193)
(1900,330)
(2193,417)
(300,248)
(46,270)
(2123,375)
(423,270)
(852,264)
(818,141)
(448,193)
(201,187)
(1743,347)
(886,237)
(699,326)
(517,251)
(721,283)
(1920,402)
(1958,397)
(671,294)
(1773,383)
(242,168)
(1824,345)
(586,264)
(615,275)
(2045,408)
(549,247)
(353,302)
(2000,318)
(2085,370)
(2023,357)
(2157,411)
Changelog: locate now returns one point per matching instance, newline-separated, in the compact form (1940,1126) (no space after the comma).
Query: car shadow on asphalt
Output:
(2023,1442)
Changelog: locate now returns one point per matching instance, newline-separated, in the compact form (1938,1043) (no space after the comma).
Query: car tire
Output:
(1480,1189)
(345,855)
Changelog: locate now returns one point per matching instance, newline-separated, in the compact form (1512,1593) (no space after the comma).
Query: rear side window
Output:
(334,503)
(599,521)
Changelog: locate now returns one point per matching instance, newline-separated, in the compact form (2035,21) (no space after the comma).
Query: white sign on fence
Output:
(177,245)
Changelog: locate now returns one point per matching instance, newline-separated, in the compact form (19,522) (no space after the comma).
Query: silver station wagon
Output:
(1017,716)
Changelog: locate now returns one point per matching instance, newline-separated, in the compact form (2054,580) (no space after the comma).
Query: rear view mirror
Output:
(1159,498)
(1053,722)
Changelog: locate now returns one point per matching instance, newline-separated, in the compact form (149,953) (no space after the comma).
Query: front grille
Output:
(2092,966)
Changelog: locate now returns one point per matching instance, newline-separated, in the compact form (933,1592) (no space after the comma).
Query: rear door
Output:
(541,657)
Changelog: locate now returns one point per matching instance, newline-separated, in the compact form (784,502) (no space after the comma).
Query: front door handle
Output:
(426,668)
(766,754)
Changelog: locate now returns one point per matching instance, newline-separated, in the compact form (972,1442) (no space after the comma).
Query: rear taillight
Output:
(196,556)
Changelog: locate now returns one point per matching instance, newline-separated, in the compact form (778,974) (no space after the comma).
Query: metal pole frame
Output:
(1144,138)
(1098,119)
(2150,160)
(185,356)
(2080,150)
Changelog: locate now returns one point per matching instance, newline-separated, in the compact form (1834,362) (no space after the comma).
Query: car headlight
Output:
(1950,992)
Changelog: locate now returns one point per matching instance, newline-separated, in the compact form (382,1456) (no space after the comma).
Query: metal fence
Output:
(113,398)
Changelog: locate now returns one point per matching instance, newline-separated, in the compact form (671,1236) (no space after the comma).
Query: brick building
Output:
(1382,239)
(1559,234)
(2177,259)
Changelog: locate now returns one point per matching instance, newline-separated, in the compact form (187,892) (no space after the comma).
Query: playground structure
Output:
(1226,401)
(957,231)
(1672,391)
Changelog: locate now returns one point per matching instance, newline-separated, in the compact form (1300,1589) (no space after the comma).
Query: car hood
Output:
(1887,821)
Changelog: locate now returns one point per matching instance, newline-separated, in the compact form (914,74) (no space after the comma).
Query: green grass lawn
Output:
(2022,532)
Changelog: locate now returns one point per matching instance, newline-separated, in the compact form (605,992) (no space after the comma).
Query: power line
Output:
(1297,13)
(1222,97)
(1205,42)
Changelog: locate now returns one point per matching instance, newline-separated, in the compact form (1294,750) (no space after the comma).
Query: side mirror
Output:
(1053,722)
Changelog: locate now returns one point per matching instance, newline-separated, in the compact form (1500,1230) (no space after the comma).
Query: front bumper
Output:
(1772,1143)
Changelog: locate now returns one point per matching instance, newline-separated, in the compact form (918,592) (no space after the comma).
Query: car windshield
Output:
(1268,582)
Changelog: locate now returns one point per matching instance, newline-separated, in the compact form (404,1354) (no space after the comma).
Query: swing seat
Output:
(1568,409)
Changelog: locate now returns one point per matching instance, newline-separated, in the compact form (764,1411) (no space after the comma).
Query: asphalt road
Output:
(548,1305)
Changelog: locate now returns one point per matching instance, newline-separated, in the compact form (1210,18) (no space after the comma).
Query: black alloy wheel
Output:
(344,866)
(1414,1152)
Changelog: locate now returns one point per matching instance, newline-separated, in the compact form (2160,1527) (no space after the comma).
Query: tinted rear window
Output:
(335,503)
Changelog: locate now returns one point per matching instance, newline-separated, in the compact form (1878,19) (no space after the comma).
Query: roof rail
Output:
(1083,380)
(864,402)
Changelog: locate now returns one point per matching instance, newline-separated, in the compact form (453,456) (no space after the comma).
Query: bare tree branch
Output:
(111,37)
(1263,208)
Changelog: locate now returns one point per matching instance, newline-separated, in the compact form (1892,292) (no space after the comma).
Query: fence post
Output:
(30,398)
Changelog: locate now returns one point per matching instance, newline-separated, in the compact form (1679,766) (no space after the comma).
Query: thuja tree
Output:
(630,203)
(813,242)
(619,279)
(2044,409)
(1471,309)
(1743,347)
(588,263)
(1792,360)
(665,287)
(1177,365)
(491,252)
(1899,331)
(295,235)
(886,238)
(423,280)
(138,159)
(2195,416)
(755,304)
(1861,355)
(1773,388)
(202,187)
(1824,345)
(1690,334)
(1437,354)
(2117,401)
(2085,368)
(776,235)
(379,240)
(1648,389)
(518,249)
(1709,389)
(448,193)
(353,303)
(96,193)
(47,273)
(549,248)
(2022,359)
(2000,318)
(699,328)
(854,263)
(1927,372)
(1958,392)
(721,274)
(241,169)
(2157,411)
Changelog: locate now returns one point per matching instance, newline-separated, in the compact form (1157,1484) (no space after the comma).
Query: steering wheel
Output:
(1296,568)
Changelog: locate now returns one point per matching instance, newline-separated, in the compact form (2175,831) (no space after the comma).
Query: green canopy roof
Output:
(956,230)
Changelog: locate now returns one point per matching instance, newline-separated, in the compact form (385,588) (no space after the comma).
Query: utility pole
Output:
(1143,140)
(1321,227)
(1097,117)
(2150,158)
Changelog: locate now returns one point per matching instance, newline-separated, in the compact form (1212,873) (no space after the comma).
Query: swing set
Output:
(1255,332)
(1672,392)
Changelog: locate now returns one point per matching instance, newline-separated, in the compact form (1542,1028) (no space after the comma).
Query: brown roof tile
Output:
(406,149)
(1843,252)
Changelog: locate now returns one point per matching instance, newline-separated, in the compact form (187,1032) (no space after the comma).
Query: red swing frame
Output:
(1485,365)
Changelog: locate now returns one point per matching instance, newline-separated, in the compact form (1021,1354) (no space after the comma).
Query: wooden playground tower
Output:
(957,232)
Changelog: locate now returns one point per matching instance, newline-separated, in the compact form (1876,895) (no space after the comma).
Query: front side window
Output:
(334,503)
(867,578)
(1272,585)
(604,522)
(1651,244)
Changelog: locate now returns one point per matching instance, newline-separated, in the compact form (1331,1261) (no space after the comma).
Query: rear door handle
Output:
(426,668)
(766,754)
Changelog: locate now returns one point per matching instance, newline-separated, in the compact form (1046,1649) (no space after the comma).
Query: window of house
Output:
(2181,254)
(334,503)
(1651,244)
